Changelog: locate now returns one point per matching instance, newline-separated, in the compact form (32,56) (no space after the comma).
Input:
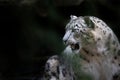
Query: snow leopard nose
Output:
(66,36)
(65,41)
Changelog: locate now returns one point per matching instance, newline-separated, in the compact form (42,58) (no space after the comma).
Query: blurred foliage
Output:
(32,30)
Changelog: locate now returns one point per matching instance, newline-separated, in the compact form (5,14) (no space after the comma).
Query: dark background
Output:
(31,31)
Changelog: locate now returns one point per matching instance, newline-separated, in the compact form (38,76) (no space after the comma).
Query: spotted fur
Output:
(91,38)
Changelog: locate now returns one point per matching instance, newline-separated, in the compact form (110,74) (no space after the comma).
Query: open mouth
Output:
(75,46)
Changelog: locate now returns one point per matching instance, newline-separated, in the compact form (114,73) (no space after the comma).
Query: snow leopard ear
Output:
(73,17)
(89,22)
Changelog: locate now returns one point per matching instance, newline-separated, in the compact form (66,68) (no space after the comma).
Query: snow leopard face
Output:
(78,33)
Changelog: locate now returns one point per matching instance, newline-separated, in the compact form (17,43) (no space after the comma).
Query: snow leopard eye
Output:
(75,28)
